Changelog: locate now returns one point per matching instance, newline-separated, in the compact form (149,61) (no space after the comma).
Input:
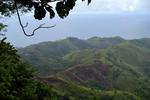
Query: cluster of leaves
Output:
(6,6)
(2,26)
(62,7)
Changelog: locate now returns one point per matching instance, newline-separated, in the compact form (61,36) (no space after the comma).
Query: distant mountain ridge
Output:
(46,52)
(51,54)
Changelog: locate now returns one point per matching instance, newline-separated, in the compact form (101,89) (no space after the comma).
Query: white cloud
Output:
(114,6)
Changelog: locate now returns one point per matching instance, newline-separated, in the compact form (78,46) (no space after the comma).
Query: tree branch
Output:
(41,26)
(23,27)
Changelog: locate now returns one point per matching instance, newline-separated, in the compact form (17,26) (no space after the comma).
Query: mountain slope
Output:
(121,67)
(99,63)
(49,55)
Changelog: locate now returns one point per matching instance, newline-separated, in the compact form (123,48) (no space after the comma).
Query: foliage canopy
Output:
(40,7)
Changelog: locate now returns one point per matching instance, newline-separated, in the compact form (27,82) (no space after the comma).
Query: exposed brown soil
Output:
(84,74)
(50,80)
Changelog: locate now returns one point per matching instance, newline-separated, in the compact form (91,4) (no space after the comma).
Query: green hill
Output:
(49,55)
(98,63)
(126,64)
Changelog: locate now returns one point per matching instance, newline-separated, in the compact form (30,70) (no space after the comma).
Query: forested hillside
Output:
(97,63)
(50,54)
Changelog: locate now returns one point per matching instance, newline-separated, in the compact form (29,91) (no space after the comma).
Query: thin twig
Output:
(41,26)
(26,25)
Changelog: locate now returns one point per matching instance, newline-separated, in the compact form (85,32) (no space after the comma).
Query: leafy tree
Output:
(17,79)
(40,7)
(14,74)
(2,28)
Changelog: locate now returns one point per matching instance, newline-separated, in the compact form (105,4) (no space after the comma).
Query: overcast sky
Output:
(104,18)
(114,6)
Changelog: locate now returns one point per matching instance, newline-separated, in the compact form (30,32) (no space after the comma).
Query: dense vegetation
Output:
(112,64)
(17,78)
